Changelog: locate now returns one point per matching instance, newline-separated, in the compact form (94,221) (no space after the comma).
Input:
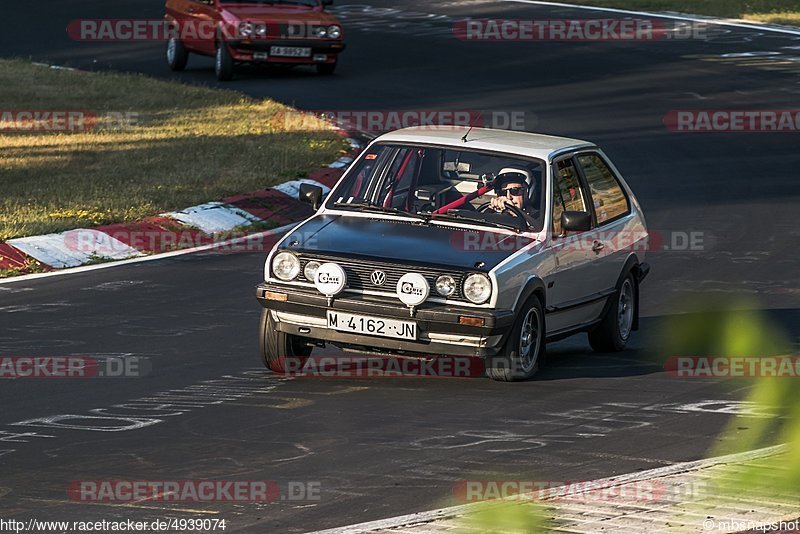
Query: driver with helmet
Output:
(512,186)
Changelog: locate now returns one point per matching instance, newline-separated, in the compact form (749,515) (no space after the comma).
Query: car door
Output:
(611,213)
(572,298)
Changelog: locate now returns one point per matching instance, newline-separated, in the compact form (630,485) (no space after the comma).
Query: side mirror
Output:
(576,221)
(311,194)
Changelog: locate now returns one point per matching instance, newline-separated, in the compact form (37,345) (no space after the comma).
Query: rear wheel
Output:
(281,352)
(524,349)
(223,63)
(177,55)
(326,69)
(612,334)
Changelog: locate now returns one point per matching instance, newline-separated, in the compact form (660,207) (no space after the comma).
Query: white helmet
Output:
(512,174)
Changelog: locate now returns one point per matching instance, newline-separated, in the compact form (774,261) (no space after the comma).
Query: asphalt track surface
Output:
(385,447)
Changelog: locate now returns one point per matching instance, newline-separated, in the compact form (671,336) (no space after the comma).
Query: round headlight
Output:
(477,288)
(445,285)
(286,266)
(320,31)
(334,32)
(311,270)
(245,29)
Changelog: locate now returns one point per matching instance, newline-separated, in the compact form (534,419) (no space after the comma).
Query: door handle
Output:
(598,246)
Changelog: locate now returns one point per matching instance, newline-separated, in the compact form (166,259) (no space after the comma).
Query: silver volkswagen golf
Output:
(461,242)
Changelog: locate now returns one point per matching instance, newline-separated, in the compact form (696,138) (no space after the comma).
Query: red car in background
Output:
(281,32)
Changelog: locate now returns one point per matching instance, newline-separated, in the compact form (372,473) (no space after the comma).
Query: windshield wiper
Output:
(459,217)
(368,206)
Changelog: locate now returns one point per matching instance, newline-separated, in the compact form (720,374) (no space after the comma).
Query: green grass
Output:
(186,146)
(526,517)
(771,11)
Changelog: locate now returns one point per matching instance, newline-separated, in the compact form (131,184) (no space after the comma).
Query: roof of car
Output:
(528,144)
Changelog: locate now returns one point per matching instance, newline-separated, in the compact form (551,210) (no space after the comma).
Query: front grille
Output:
(299,31)
(358,275)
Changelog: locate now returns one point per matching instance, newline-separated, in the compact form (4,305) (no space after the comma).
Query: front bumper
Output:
(242,50)
(304,314)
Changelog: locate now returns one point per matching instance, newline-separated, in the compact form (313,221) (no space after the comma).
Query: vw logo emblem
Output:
(378,278)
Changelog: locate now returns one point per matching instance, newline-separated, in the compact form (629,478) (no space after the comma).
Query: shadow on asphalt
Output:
(647,352)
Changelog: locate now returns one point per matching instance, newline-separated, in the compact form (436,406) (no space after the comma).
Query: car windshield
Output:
(309,3)
(443,183)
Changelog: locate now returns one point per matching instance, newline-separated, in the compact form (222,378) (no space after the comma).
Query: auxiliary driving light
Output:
(330,280)
(310,272)
(445,285)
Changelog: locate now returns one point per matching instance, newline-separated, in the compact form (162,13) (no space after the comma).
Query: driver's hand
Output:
(499,203)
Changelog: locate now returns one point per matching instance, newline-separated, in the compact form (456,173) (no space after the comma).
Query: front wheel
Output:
(612,334)
(223,63)
(281,352)
(177,55)
(524,349)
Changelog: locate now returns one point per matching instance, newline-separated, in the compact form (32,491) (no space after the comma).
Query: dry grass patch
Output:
(155,146)
(770,11)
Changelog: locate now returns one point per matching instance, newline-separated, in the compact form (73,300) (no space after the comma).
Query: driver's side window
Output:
(567,193)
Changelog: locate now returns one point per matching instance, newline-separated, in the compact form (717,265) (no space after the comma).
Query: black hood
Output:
(403,241)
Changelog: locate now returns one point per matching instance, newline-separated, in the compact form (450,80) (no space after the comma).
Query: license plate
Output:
(289,51)
(373,326)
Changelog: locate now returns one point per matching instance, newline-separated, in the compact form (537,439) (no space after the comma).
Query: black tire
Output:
(327,69)
(614,331)
(514,363)
(223,63)
(281,352)
(177,55)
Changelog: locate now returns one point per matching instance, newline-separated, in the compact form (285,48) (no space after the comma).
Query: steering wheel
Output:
(507,207)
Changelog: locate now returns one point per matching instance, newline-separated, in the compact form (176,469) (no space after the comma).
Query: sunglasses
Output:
(515,191)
